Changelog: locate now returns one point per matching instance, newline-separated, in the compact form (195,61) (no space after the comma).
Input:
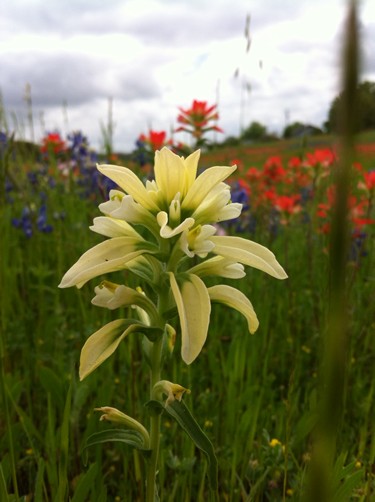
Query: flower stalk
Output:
(155,420)
(172,254)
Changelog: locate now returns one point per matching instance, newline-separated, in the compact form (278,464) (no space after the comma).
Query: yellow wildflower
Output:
(275,442)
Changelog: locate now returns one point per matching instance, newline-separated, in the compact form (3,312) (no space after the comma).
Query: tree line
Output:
(364,120)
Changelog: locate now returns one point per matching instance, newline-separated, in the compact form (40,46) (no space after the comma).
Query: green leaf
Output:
(305,426)
(38,495)
(127,436)
(64,449)
(349,484)
(3,487)
(179,411)
(85,484)
(154,407)
(151,333)
(53,385)
(345,478)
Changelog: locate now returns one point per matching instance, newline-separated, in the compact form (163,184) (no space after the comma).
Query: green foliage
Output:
(246,390)
(127,436)
(181,413)
(298,129)
(365,109)
(254,132)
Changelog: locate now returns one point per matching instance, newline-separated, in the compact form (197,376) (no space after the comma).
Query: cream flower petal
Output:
(219,196)
(113,296)
(114,202)
(132,212)
(102,344)
(154,193)
(104,294)
(175,209)
(166,231)
(233,298)
(174,174)
(130,183)
(217,207)
(203,185)
(116,416)
(197,241)
(229,212)
(219,266)
(191,164)
(151,186)
(209,209)
(249,253)
(108,256)
(173,391)
(112,227)
(169,171)
(194,308)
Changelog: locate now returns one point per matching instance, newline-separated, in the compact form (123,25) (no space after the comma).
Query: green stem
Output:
(155,364)
(155,424)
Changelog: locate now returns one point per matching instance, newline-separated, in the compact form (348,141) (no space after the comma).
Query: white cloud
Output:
(152,56)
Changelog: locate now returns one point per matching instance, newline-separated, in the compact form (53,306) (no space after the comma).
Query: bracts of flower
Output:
(198,120)
(178,211)
(147,144)
(52,144)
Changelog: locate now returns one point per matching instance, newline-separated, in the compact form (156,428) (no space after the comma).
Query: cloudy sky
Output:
(152,56)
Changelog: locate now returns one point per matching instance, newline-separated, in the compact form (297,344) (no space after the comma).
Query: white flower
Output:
(176,212)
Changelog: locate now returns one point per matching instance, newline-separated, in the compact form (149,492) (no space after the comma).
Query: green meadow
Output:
(255,396)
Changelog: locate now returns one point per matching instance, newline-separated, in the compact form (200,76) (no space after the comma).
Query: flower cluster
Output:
(198,120)
(53,143)
(155,139)
(31,218)
(164,232)
(147,144)
(285,193)
(79,150)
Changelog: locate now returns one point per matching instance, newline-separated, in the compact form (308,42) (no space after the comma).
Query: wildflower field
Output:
(256,397)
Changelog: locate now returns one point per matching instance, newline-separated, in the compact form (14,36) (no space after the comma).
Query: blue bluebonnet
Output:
(81,159)
(307,194)
(41,220)
(239,194)
(32,219)
(142,155)
(80,150)
(24,222)
(3,142)
(92,184)
(9,186)
(357,248)
(274,222)
(242,223)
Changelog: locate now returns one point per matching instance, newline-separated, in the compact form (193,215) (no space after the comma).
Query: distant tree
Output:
(365,117)
(228,141)
(256,131)
(298,129)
